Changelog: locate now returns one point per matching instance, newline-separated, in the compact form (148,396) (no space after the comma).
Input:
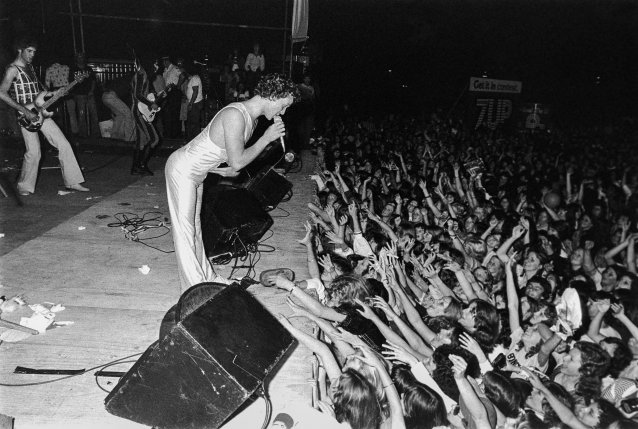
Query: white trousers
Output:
(185,203)
(70,169)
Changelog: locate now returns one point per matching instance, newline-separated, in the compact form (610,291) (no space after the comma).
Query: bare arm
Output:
(9,76)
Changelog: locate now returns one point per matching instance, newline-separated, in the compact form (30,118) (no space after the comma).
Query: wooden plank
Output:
(117,311)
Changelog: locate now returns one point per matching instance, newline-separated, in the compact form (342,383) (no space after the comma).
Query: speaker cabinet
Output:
(218,345)
(269,187)
(232,218)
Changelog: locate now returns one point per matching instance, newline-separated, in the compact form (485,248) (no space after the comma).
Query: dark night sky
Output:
(557,48)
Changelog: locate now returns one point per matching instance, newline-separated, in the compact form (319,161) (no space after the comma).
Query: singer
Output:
(222,141)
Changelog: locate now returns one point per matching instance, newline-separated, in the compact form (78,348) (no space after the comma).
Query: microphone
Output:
(283,143)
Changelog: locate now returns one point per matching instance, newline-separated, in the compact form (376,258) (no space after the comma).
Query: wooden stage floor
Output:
(92,270)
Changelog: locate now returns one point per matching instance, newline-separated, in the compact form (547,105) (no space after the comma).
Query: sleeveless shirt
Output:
(201,154)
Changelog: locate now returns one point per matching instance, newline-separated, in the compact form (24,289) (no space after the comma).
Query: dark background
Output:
(580,57)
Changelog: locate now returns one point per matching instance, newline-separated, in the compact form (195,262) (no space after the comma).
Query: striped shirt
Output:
(25,87)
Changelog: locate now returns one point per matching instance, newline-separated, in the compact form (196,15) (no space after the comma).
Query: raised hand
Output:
(397,353)
(334,238)
(348,337)
(366,311)
(470,344)
(429,271)
(353,210)
(378,302)
(453,266)
(618,310)
(343,220)
(518,231)
(326,263)
(458,366)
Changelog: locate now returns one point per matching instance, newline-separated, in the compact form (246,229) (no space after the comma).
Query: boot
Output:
(135,167)
(146,155)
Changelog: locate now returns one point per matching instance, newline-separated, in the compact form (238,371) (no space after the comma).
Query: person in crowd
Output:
(20,86)
(84,97)
(146,135)
(117,97)
(56,77)
(496,278)
(254,66)
(194,93)
(171,107)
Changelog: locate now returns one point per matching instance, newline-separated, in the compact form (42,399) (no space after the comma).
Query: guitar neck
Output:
(59,95)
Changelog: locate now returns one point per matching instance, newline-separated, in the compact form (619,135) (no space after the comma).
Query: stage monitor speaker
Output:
(217,346)
(269,187)
(232,219)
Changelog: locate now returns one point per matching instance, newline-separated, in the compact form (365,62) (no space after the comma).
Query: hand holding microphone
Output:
(281,138)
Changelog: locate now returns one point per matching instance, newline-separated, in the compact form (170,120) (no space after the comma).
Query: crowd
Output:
(470,280)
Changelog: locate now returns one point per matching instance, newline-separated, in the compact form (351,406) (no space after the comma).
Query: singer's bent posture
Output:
(222,141)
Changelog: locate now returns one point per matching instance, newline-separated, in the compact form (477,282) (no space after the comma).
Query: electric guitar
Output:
(39,106)
(149,114)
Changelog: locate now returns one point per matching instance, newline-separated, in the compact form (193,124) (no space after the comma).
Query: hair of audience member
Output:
(275,86)
(549,415)
(621,358)
(594,366)
(502,394)
(475,248)
(524,387)
(342,264)
(377,288)
(402,377)
(608,414)
(424,408)
(486,324)
(547,288)
(355,401)
(348,287)
(443,374)
(457,256)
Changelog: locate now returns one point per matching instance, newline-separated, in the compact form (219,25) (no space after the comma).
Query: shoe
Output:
(286,272)
(78,187)
(24,193)
(145,171)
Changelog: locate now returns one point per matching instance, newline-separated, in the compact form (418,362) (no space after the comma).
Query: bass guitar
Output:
(149,114)
(39,106)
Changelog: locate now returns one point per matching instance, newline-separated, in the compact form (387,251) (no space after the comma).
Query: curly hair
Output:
(355,401)
(24,42)
(275,86)
(594,366)
(443,374)
(348,287)
(621,358)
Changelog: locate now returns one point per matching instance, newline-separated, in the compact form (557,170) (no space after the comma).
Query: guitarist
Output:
(147,137)
(21,86)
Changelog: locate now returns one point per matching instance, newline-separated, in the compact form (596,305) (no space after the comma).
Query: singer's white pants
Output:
(185,203)
(70,169)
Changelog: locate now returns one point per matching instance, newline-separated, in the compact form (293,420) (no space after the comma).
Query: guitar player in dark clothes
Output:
(147,137)
(21,86)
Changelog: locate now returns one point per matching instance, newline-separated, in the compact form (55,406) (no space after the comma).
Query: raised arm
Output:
(512,297)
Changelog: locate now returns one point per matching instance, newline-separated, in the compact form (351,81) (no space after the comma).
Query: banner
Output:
(300,21)
(492,101)
(535,117)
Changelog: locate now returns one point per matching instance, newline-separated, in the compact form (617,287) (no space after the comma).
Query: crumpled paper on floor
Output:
(64,192)
(144,269)
(40,320)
